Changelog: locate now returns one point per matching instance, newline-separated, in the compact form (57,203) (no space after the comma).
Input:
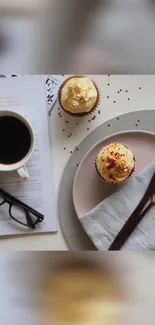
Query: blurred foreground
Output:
(76,36)
(24,278)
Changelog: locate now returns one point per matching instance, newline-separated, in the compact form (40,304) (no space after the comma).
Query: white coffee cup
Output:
(20,165)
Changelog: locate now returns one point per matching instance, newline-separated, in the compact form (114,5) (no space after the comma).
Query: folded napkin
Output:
(103,223)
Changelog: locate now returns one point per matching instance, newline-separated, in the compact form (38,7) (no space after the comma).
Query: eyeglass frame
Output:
(11,200)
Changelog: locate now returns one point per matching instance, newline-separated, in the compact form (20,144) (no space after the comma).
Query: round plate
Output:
(88,187)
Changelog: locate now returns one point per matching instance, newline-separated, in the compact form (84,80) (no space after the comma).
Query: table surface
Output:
(119,94)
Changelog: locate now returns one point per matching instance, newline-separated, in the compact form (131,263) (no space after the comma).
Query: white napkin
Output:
(103,223)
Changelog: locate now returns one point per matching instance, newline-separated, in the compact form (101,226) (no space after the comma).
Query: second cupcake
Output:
(115,163)
(78,95)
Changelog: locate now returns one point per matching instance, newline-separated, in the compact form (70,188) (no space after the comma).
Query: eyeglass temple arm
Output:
(29,219)
(22,204)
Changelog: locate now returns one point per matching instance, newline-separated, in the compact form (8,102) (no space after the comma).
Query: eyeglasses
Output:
(21,212)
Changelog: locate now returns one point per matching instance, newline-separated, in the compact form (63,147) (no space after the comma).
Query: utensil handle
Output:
(128,228)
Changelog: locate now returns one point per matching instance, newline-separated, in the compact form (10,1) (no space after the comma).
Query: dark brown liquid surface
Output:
(15,140)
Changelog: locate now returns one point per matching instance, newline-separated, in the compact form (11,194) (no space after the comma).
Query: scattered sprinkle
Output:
(58,107)
(87,129)
(64,148)
(77,165)
(108,97)
(120,90)
(128,98)
(114,101)
(117,118)
(108,75)
(138,121)
(71,151)
(140,88)
(108,84)
(77,123)
(66,121)
(93,118)
(136,124)
(126,91)
(99,112)
(108,125)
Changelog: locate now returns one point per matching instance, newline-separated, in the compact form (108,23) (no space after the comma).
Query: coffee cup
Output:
(17,142)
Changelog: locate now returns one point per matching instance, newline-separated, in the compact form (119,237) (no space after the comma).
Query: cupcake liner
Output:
(130,175)
(98,100)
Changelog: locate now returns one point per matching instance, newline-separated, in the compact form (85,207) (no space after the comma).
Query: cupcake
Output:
(81,296)
(78,95)
(115,163)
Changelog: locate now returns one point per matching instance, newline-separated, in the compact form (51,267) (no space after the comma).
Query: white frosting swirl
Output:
(78,95)
(115,163)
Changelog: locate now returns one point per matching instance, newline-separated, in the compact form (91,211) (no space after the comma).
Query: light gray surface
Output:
(104,222)
(72,229)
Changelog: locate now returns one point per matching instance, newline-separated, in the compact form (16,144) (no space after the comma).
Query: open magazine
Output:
(52,83)
(27,96)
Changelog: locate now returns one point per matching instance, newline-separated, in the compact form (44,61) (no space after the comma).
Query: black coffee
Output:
(15,140)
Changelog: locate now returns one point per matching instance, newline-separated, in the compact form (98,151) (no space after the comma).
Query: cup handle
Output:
(23,172)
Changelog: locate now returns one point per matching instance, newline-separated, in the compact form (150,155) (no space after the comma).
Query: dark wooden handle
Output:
(128,228)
